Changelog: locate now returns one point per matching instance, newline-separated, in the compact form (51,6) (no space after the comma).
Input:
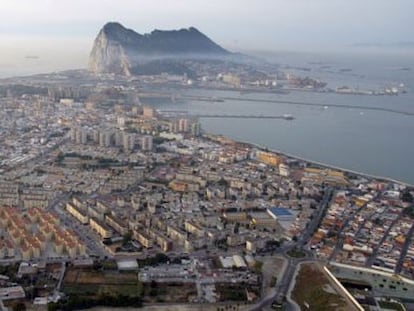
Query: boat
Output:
(288,116)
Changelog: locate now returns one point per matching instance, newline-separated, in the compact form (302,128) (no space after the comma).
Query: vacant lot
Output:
(91,283)
(313,287)
(182,307)
(169,292)
(272,269)
(98,277)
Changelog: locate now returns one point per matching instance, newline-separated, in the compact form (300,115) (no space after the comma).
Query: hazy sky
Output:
(62,31)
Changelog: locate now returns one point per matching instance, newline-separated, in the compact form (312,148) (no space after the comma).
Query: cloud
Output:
(236,23)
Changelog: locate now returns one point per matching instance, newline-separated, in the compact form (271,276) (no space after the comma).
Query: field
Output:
(320,295)
(391,305)
(272,268)
(92,283)
(169,292)
(98,277)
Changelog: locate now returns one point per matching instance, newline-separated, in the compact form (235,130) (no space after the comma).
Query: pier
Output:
(225,116)
(175,97)
(236,116)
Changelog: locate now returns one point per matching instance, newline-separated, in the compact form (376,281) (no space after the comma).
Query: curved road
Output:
(282,287)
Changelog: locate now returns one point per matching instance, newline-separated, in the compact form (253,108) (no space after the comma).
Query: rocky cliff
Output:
(123,51)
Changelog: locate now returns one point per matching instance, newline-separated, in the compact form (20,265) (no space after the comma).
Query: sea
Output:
(373,142)
(379,143)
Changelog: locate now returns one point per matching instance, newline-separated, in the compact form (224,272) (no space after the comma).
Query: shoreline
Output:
(289,155)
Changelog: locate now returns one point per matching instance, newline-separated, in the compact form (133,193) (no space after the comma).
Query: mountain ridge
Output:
(120,50)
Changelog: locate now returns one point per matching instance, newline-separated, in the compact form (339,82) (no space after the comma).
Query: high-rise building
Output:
(183,125)
(173,126)
(95,136)
(73,133)
(81,135)
(120,121)
(146,142)
(119,138)
(129,142)
(84,136)
(196,129)
(136,110)
(148,112)
(105,138)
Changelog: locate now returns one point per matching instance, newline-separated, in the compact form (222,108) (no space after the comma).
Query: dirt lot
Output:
(181,307)
(99,277)
(90,282)
(321,295)
(272,269)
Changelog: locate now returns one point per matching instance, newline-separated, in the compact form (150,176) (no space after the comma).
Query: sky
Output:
(61,32)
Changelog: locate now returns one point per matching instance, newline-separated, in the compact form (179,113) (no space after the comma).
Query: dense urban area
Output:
(106,200)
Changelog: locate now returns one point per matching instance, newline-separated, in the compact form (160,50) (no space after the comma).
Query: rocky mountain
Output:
(123,51)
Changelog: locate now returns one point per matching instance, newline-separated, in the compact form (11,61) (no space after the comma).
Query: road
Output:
(340,242)
(404,250)
(84,232)
(372,257)
(315,221)
(56,292)
(282,287)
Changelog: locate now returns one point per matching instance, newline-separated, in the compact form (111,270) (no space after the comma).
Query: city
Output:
(206,156)
(189,216)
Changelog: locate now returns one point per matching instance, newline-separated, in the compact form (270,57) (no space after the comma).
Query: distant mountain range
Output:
(402,44)
(120,50)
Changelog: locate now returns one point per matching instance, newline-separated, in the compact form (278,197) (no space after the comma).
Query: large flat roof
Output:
(280,211)
(127,264)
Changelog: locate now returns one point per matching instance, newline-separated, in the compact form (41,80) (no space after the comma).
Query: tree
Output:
(406,196)
(19,306)
(223,182)
(126,237)
(140,289)
(409,211)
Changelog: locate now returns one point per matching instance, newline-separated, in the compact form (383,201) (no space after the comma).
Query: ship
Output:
(288,116)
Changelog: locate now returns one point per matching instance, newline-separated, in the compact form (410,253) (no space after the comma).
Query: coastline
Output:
(289,155)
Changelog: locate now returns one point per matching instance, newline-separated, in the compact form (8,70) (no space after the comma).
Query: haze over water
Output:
(369,141)
(373,142)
